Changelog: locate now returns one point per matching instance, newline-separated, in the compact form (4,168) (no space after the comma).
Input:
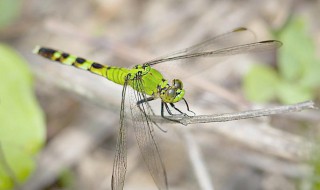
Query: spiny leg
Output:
(148,99)
(181,113)
(167,108)
(142,109)
(188,109)
(163,104)
(144,100)
(172,105)
(177,109)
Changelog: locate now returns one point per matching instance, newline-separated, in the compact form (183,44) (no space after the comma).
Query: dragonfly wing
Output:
(233,38)
(238,41)
(120,160)
(239,49)
(245,48)
(143,128)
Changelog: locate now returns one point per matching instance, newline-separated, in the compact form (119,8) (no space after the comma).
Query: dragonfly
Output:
(143,83)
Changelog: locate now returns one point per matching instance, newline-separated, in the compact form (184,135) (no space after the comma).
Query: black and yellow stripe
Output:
(115,74)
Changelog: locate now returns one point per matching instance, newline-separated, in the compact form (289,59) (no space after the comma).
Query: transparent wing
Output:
(238,41)
(143,128)
(120,160)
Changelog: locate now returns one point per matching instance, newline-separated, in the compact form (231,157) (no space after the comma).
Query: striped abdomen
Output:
(115,74)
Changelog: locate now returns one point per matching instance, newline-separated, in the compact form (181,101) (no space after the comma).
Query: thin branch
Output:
(185,120)
(197,161)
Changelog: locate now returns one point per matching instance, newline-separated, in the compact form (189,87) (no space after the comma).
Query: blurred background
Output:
(58,124)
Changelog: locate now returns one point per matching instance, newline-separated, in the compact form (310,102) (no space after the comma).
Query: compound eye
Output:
(171,93)
(177,84)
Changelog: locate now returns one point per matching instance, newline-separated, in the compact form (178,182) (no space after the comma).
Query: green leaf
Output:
(9,11)
(22,128)
(299,66)
(290,93)
(260,84)
(297,57)
(311,77)
(66,180)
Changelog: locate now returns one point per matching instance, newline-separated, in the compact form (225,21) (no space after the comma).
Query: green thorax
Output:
(144,76)
(150,81)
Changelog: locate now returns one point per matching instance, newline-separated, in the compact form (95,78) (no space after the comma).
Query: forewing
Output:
(238,41)
(143,128)
(120,160)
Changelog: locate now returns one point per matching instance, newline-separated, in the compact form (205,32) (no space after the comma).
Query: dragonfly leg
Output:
(163,104)
(145,100)
(172,105)
(177,109)
(181,113)
(188,109)
(167,108)
(148,99)
(162,110)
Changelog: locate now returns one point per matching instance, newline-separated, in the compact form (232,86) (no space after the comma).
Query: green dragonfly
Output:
(148,84)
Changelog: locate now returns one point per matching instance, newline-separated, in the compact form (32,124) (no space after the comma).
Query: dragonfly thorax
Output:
(153,83)
(172,93)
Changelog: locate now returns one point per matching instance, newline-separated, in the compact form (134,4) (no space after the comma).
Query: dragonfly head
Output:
(173,93)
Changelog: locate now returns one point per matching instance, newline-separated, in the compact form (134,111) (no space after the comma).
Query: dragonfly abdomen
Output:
(115,74)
